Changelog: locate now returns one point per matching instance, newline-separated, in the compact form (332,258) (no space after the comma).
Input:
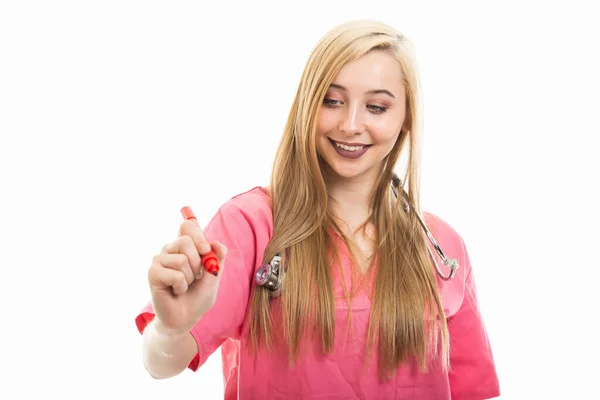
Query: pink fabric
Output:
(244,224)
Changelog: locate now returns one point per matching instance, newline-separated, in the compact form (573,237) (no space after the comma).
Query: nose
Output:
(351,120)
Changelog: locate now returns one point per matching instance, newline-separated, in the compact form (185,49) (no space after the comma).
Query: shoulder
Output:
(443,231)
(253,202)
(448,238)
(254,198)
(453,246)
(252,207)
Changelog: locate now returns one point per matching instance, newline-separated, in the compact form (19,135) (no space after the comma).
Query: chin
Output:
(347,173)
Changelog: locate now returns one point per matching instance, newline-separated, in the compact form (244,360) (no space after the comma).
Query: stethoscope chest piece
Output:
(269,275)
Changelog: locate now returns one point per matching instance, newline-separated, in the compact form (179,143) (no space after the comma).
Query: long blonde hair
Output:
(407,318)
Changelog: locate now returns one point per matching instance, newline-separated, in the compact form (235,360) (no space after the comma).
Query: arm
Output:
(166,355)
(242,231)
(472,369)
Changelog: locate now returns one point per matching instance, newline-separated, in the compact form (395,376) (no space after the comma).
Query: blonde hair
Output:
(407,318)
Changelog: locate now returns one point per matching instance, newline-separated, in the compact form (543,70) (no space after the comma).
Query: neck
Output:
(350,199)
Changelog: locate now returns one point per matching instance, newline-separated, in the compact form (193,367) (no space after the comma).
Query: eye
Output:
(376,109)
(331,102)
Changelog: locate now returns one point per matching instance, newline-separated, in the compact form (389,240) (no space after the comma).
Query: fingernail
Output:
(205,248)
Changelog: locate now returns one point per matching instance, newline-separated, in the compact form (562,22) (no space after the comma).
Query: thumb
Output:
(209,281)
(220,250)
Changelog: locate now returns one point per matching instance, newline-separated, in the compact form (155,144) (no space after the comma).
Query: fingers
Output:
(182,258)
(181,255)
(221,252)
(192,229)
(173,269)
(162,277)
(177,262)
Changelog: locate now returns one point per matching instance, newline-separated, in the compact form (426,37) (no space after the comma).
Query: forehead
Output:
(374,70)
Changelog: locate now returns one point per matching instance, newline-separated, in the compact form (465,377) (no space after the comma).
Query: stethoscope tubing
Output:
(271,275)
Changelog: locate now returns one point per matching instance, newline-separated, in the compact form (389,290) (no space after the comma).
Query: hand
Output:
(182,291)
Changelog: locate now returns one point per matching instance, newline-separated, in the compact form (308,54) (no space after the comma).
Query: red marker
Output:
(209,261)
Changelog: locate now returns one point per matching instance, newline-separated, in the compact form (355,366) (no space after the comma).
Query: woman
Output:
(360,311)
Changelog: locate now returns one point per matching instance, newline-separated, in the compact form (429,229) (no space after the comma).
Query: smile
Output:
(350,150)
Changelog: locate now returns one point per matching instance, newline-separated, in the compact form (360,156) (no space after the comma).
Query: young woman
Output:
(360,306)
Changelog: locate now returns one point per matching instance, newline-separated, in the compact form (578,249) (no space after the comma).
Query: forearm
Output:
(166,355)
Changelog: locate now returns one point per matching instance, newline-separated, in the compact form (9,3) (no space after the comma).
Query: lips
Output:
(351,154)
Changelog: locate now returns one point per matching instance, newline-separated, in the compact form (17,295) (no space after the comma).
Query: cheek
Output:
(325,122)
(386,136)
(386,130)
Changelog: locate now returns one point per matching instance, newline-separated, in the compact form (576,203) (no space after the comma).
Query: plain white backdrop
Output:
(114,114)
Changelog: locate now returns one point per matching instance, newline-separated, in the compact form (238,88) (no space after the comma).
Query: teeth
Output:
(349,148)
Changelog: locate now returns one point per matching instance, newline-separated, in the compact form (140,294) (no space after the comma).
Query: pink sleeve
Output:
(473,372)
(236,230)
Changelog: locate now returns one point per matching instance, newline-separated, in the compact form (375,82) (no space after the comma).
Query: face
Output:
(361,117)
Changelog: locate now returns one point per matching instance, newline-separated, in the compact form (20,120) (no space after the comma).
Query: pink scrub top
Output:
(245,224)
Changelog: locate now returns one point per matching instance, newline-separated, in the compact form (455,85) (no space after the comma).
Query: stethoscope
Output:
(272,276)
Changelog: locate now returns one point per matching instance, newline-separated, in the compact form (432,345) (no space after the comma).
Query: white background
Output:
(114,114)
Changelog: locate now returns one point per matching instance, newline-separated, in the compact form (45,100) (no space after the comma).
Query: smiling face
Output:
(361,117)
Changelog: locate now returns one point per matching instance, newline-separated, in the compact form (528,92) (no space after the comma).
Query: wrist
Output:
(161,341)
(166,332)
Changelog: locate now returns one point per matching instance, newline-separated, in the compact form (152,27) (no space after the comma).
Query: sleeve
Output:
(472,370)
(224,320)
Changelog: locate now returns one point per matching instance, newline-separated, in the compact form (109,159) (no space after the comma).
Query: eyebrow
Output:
(375,91)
